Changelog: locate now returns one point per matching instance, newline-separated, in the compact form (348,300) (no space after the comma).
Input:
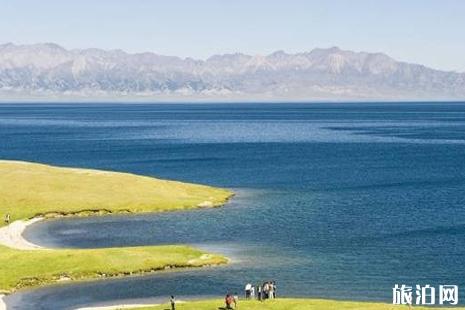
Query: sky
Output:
(429,32)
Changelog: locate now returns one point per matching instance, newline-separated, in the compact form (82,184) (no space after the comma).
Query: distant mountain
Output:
(50,71)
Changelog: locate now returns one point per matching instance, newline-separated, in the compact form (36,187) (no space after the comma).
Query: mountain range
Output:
(50,71)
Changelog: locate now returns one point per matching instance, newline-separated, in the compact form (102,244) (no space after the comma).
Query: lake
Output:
(334,200)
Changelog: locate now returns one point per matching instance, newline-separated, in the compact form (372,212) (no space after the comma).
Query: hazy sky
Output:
(422,31)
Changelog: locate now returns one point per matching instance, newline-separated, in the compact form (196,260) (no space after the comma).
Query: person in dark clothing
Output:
(7,218)
(173,303)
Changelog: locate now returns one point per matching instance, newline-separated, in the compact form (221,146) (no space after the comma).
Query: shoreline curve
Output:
(123,306)
(145,195)
(11,236)
(117,307)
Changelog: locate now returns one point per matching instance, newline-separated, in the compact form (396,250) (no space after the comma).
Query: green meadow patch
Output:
(20,268)
(28,190)
(288,304)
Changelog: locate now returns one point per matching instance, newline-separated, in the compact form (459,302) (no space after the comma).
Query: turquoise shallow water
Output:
(333,200)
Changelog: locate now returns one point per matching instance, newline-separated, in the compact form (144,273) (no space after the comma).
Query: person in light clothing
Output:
(248,288)
(270,290)
(235,300)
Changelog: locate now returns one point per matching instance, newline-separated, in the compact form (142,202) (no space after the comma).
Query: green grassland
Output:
(28,190)
(37,267)
(288,304)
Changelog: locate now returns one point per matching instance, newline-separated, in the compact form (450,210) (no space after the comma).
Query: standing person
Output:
(274,289)
(235,300)
(7,218)
(270,290)
(266,290)
(252,292)
(173,303)
(248,287)
(259,292)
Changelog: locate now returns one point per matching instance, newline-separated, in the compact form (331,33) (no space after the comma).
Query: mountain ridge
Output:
(47,70)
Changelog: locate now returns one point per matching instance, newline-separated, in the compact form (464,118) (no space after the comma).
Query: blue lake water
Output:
(333,200)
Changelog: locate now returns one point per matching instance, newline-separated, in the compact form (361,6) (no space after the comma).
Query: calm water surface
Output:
(333,200)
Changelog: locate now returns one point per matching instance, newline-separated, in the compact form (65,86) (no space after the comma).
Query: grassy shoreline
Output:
(290,304)
(29,190)
(31,268)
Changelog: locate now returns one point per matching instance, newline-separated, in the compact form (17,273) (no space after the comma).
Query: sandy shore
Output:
(12,236)
(2,303)
(116,307)
(123,306)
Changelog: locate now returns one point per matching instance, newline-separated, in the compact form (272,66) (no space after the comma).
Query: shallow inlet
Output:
(253,258)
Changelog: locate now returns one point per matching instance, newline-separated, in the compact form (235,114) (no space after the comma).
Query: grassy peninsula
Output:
(20,269)
(29,190)
(289,304)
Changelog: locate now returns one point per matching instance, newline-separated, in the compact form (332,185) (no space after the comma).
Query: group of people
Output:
(267,290)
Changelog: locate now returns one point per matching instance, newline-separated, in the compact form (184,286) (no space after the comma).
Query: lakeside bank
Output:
(32,191)
(287,304)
